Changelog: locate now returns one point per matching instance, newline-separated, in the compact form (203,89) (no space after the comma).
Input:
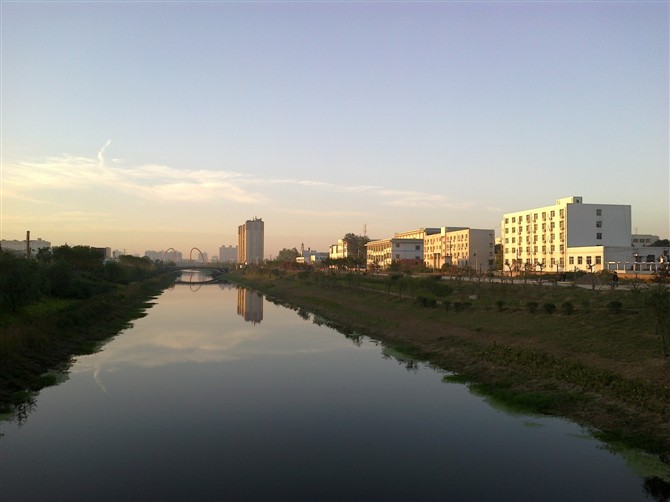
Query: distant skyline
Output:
(150,125)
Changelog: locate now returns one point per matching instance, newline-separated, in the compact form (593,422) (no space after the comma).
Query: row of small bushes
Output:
(567,308)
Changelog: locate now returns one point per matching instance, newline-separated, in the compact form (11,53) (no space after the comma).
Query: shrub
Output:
(446,304)
(532,307)
(549,308)
(567,308)
(426,302)
(460,306)
(614,307)
(501,305)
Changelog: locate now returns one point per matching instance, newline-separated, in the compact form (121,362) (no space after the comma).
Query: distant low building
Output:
(21,247)
(311,256)
(403,251)
(643,239)
(228,254)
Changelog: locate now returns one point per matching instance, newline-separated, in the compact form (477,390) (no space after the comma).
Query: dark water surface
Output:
(219,394)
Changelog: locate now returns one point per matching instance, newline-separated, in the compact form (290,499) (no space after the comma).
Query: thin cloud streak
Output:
(158,183)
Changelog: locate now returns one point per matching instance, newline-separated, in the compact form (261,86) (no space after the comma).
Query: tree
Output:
(356,249)
(661,243)
(287,255)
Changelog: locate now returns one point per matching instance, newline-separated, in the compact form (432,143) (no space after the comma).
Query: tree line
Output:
(71,272)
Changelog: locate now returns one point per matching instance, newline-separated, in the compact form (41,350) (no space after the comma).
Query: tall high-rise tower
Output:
(250,241)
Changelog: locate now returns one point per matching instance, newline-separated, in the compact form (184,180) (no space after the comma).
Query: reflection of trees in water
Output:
(20,412)
(411,365)
(658,489)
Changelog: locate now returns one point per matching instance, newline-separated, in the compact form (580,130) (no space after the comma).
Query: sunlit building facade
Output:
(250,242)
(460,246)
(549,237)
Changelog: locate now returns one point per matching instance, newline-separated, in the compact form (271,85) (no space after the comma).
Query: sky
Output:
(149,125)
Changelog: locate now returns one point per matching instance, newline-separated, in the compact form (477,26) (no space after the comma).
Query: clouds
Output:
(36,180)
(74,198)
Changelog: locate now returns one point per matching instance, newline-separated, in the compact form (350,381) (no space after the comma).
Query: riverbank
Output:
(593,357)
(38,343)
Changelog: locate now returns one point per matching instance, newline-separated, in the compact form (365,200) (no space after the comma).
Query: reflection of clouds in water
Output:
(202,327)
(161,348)
(151,349)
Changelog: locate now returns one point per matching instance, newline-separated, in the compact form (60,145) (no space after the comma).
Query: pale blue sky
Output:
(148,125)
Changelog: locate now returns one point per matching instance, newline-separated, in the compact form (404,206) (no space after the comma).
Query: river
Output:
(220,394)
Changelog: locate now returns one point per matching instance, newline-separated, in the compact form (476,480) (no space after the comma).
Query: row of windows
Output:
(552,214)
(580,260)
(552,249)
(552,226)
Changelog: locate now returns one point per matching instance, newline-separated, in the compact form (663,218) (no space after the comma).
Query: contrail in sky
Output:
(101,159)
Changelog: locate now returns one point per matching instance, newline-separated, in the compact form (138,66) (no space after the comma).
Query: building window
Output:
(562,213)
(579,260)
(535,249)
(599,223)
(598,260)
(553,213)
(513,229)
(506,221)
(571,260)
(397,244)
(599,212)
(588,260)
(513,240)
(599,236)
(417,247)
(506,240)
(553,248)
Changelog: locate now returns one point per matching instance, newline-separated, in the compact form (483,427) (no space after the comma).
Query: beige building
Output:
(338,250)
(463,247)
(405,251)
(250,242)
(543,238)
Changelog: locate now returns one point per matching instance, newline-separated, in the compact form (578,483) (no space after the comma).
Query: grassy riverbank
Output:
(40,339)
(590,355)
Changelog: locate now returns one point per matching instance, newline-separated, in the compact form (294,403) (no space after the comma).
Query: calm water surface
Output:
(219,394)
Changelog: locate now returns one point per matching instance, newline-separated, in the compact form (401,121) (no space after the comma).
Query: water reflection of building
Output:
(250,305)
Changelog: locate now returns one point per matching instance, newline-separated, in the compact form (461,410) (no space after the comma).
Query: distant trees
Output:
(65,272)
(661,243)
(287,255)
(356,250)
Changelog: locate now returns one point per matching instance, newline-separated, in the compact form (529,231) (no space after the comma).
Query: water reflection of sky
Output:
(195,403)
(187,326)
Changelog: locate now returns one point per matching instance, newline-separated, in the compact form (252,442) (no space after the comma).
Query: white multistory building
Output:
(404,251)
(566,236)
